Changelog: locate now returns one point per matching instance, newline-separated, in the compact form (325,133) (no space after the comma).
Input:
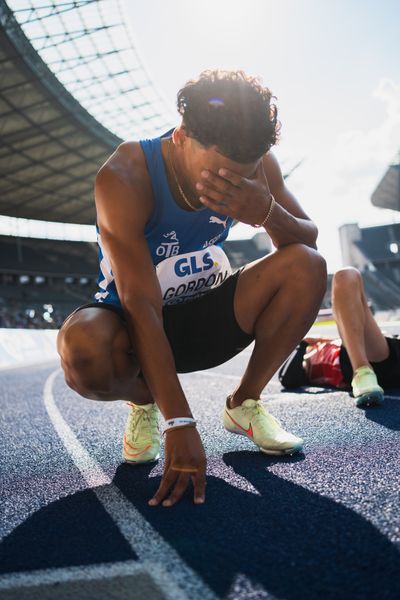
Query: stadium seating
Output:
(42,281)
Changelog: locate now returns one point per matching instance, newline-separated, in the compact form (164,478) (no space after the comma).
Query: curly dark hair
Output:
(232,111)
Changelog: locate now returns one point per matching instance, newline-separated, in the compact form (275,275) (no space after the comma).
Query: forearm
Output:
(155,357)
(284,229)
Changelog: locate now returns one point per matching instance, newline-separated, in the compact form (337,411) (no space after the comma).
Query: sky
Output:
(334,67)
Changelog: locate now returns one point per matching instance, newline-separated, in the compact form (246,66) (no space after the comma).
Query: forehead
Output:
(213,160)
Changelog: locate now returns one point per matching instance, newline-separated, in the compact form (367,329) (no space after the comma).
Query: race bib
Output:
(190,275)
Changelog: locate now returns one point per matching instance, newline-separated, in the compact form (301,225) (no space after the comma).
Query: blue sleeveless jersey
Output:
(185,245)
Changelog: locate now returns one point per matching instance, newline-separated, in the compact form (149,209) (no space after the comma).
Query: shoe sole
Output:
(370,399)
(141,462)
(273,452)
(281,452)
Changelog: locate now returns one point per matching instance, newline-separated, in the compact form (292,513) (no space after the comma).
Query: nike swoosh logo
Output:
(127,444)
(248,431)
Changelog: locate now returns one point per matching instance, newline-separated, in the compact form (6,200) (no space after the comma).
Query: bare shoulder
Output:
(123,192)
(123,180)
(126,164)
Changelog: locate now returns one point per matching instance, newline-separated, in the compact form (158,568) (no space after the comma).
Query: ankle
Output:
(145,402)
(230,402)
(362,367)
(236,399)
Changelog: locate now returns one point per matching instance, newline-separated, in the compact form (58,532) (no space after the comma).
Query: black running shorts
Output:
(387,371)
(203,333)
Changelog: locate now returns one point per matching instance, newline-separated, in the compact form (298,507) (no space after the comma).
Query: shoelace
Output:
(260,412)
(142,420)
(364,373)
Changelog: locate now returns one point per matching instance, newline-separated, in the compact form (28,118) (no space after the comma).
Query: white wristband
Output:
(178,422)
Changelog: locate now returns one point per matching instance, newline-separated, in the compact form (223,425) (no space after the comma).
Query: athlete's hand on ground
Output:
(226,192)
(185,460)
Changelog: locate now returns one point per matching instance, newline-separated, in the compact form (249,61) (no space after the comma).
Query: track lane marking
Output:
(65,574)
(177,580)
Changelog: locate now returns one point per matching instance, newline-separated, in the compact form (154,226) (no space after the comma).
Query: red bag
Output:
(324,364)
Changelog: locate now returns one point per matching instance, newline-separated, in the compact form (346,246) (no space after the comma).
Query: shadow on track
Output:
(388,414)
(293,542)
(75,530)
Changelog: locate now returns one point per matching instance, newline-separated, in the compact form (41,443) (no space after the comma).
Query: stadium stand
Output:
(41,281)
(375,251)
(241,252)
(36,274)
(69,92)
(382,294)
(381,245)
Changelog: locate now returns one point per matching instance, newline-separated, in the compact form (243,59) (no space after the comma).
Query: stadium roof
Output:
(47,257)
(51,146)
(387,193)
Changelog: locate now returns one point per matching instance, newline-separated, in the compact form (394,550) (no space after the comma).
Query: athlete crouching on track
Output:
(362,359)
(168,302)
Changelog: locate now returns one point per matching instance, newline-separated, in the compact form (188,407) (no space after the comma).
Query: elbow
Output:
(315,236)
(312,236)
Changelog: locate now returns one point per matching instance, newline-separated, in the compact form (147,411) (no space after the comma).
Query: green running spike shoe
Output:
(252,420)
(141,442)
(366,390)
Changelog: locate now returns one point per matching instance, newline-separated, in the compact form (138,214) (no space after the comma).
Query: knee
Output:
(77,344)
(87,365)
(90,376)
(309,265)
(346,280)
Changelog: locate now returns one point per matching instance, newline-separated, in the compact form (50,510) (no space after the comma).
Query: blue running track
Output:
(322,525)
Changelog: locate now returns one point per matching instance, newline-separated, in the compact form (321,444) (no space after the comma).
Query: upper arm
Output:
(279,190)
(124,202)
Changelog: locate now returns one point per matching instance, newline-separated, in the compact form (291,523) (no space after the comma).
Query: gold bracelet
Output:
(271,208)
(184,469)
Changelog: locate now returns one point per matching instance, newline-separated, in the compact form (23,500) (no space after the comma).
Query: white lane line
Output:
(80,573)
(177,580)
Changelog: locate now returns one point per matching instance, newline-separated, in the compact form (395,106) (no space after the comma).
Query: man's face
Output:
(199,159)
